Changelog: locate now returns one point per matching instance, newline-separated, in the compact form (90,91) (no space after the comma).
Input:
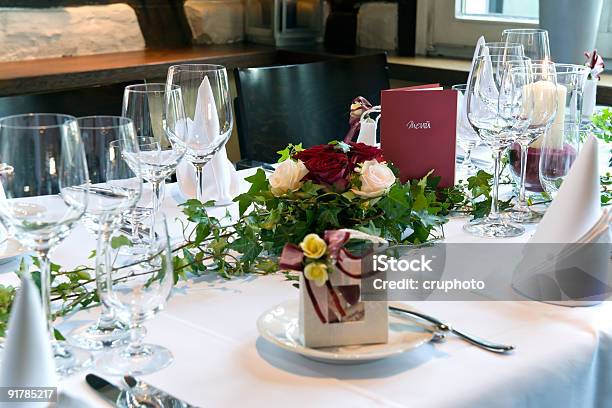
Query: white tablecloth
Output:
(563,355)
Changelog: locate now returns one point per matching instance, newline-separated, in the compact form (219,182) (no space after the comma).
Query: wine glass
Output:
(495,111)
(157,114)
(208,109)
(466,137)
(495,49)
(562,142)
(135,280)
(540,82)
(114,190)
(534,41)
(43,195)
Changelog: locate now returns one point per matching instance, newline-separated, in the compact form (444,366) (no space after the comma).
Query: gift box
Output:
(332,312)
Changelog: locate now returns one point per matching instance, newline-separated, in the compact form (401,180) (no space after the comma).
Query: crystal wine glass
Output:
(495,111)
(135,280)
(156,113)
(540,83)
(467,138)
(44,197)
(208,109)
(534,41)
(113,191)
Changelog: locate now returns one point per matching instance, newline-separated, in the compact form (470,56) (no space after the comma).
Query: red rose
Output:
(330,168)
(361,152)
(313,152)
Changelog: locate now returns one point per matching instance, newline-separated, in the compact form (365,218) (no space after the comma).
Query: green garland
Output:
(251,243)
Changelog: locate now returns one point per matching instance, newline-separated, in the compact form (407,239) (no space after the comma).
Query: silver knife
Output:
(135,394)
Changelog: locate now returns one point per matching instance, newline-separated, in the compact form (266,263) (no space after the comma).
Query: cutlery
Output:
(135,394)
(444,327)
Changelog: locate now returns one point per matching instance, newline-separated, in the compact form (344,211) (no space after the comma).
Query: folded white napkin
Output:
(463,125)
(27,359)
(574,269)
(577,207)
(221,181)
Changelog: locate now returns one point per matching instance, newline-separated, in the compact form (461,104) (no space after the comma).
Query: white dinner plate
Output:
(279,325)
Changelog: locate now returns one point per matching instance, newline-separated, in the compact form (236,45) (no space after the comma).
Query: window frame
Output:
(440,32)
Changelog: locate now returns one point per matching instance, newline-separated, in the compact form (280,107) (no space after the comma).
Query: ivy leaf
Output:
(58,335)
(119,241)
(289,151)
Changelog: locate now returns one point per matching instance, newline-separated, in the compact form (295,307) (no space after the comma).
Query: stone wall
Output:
(27,33)
(215,22)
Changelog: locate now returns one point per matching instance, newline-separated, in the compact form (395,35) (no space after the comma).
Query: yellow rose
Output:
(313,246)
(316,272)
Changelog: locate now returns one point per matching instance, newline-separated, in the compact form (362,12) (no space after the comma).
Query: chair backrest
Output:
(304,103)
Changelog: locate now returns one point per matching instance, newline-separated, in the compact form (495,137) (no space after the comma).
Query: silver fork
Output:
(445,328)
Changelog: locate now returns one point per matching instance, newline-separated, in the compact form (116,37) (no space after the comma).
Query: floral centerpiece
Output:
(340,185)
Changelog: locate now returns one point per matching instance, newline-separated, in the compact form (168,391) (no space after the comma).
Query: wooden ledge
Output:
(55,74)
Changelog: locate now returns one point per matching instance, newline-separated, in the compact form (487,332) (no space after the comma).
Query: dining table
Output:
(562,356)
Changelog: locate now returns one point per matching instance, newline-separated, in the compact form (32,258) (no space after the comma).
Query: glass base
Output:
(98,336)
(525,217)
(120,362)
(70,360)
(493,229)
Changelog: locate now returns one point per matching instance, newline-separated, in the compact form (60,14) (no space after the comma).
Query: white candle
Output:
(542,94)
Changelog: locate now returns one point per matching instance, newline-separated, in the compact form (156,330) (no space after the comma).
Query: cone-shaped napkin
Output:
(576,208)
(27,360)
(221,181)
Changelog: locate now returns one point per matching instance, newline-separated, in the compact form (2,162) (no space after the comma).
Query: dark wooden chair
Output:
(304,103)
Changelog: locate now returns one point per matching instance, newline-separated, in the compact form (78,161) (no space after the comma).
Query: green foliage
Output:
(7,294)
(410,213)
(603,122)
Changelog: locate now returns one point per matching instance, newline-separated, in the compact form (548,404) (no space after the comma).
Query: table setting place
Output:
(452,249)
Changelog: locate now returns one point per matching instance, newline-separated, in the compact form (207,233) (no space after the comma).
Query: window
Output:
(505,10)
(452,27)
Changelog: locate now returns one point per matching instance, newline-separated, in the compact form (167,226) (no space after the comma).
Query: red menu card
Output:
(418,131)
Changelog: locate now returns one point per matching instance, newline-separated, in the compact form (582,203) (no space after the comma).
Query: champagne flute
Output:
(208,111)
(540,82)
(46,196)
(113,192)
(135,280)
(534,41)
(495,111)
(157,113)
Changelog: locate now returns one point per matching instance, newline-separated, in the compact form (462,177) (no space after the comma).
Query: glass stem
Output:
(494,214)
(524,150)
(158,193)
(107,316)
(199,167)
(45,289)
(136,335)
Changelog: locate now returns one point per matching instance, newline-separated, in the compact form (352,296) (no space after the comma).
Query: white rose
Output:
(376,179)
(287,177)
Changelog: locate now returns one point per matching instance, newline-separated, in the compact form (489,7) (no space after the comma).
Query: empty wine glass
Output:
(557,155)
(501,49)
(46,196)
(114,190)
(135,280)
(495,111)
(157,114)
(534,41)
(540,83)
(467,138)
(208,109)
